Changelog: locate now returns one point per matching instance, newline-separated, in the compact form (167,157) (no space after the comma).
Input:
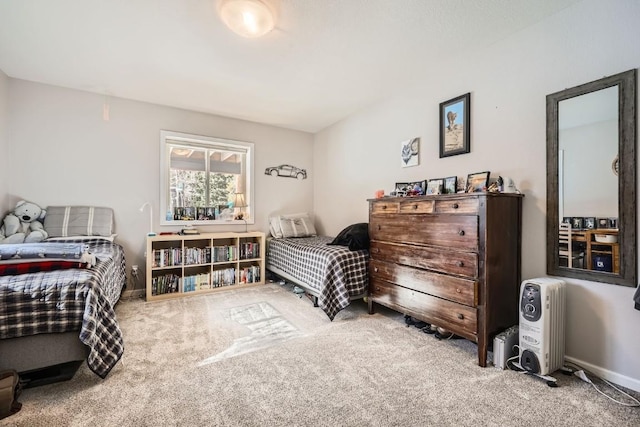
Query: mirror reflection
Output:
(587,185)
(591,181)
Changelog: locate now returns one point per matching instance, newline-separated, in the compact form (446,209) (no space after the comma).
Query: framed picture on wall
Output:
(455,126)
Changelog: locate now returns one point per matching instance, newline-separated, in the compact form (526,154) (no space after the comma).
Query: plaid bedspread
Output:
(334,272)
(69,300)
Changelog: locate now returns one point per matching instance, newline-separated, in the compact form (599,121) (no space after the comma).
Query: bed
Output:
(327,268)
(59,310)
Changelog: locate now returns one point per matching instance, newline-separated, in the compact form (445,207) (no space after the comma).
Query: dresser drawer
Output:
(458,206)
(454,317)
(427,257)
(463,291)
(455,231)
(383,207)
(416,206)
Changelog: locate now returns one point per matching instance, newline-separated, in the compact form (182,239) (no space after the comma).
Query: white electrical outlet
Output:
(134,268)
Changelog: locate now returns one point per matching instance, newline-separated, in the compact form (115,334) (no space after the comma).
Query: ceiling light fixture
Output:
(248,18)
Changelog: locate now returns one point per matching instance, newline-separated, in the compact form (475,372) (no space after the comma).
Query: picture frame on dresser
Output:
(403,189)
(450,183)
(477,181)
(435,186)
(577,222)
(455,125)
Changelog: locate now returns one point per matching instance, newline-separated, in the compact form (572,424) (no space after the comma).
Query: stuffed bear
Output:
(23,225)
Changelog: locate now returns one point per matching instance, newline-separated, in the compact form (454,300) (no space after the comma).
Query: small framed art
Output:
(455,125)
(434,186)
(410,188)
(450,185)
(477,181)
(577,223)
(589,222)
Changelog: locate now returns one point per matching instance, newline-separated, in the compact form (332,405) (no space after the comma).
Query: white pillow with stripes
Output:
(63,221)
(298,226)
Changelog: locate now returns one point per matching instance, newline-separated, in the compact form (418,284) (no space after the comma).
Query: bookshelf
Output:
(182,265)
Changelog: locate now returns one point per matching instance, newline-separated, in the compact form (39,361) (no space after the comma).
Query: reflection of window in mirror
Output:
(588,141)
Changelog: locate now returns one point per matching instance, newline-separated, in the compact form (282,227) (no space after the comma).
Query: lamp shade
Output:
(238,201)
(248,18)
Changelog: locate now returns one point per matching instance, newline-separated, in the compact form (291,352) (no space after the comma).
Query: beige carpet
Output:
(264,357)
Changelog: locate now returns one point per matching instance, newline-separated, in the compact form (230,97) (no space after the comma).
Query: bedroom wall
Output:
(4,173)
(62,152)
(508,82)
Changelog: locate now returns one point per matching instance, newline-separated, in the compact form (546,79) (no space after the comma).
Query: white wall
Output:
(508,82)
(62,152)
(4,173)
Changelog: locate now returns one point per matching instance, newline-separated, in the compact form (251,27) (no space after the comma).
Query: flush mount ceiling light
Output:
(249,18)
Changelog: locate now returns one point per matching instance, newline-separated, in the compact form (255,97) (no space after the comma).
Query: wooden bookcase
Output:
(180,265)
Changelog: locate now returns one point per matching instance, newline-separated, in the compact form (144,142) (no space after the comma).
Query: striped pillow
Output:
(63,221)
(300,226)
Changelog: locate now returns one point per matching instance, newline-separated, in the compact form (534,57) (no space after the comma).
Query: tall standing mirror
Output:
(591,181)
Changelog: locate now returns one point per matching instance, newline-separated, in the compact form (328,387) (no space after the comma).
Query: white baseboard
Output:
(135,293)
(614,377)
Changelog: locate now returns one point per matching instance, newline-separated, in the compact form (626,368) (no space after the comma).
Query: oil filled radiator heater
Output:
(541,328)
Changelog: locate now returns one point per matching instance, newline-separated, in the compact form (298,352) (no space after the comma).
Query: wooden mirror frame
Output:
(626,83)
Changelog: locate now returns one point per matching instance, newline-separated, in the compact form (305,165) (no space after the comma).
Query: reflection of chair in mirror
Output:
(574,257)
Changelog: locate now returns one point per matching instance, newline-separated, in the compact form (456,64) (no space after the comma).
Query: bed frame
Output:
(63,356)
(312,292)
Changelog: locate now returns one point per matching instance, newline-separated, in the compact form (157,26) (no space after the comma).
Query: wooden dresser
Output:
(450,260)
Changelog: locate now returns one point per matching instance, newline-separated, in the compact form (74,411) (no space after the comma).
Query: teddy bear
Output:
(23,225)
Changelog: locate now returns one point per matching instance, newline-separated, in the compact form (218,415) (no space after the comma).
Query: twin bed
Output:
(56,305)
(332,270)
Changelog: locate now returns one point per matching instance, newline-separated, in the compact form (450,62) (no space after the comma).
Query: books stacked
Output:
(224,277)
(197,256)
(196,282)
(250,274)
(167,257)
(166,284)
(249,250)
(189,231)
(224,253)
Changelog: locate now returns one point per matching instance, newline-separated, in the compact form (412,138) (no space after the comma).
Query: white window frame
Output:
(199,141)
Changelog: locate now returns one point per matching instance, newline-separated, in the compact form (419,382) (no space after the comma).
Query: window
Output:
(204,180)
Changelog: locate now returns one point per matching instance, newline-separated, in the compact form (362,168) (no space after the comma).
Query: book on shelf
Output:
(189,232)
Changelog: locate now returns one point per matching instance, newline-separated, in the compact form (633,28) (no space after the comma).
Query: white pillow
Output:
(297,226)
(274,227)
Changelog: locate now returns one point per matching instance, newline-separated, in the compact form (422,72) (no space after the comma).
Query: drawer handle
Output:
(376,250)
(415,206)
(384,206)
(460,264)
(455,206)
(458,291)
(461,232)
(377,288)
(379,227)
(375,269)
(460,316)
